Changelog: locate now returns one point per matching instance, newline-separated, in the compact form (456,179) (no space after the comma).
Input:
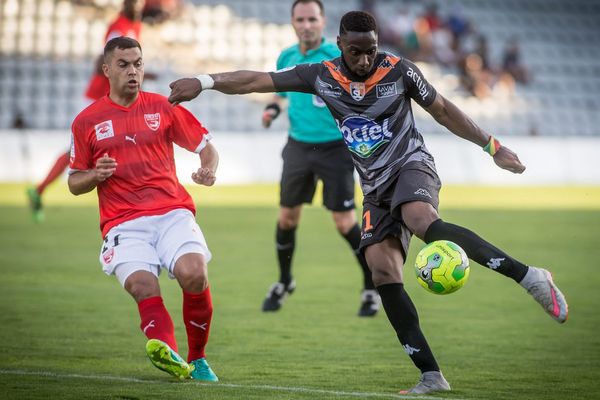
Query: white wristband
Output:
(206,81)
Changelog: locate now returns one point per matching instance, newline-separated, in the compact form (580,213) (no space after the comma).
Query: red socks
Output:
(156,322)
(57,169)
(197,314)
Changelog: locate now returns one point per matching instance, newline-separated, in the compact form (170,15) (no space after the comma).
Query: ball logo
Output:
(363,136)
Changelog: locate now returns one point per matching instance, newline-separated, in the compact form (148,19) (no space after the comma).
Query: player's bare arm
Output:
(457,122)
(237,82)
(81,182)
(209,161)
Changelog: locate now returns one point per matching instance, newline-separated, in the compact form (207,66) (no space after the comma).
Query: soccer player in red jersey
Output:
(128,23)
(370,94)
(122,145)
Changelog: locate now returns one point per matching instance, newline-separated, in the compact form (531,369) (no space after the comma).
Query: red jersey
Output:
(140,138)
(122,26)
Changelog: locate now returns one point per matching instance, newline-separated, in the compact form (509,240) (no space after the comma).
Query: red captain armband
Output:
(492,146)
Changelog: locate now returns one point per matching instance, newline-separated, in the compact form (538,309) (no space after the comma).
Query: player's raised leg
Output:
(424,221)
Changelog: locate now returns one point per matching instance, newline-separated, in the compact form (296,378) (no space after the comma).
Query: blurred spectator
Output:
(157,11)
(431,17)
(512,64)
(18,121)
(474,77)
(457,23)
(442,42)
(398,32)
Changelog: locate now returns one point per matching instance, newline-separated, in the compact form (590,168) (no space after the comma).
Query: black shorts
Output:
(381,209)
(305,163)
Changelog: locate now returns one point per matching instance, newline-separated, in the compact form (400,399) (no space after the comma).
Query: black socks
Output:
(353,238)
(403,316)
(477,249)
(286,243)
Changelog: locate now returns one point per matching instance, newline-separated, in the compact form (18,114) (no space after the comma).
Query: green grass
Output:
(70,332)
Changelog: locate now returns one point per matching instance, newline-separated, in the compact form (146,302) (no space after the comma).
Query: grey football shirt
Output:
(374,115)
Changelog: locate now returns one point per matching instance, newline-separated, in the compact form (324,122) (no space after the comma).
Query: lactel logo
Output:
(363,136)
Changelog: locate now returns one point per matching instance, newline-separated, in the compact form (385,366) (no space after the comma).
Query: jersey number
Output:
(115,242)
(367,221)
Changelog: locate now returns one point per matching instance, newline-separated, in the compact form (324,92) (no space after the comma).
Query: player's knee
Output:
(382,276)
(192,277)
(344,221)
(417,216)
(289,217)
(141,289)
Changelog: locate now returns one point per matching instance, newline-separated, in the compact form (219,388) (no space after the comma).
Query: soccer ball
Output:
(442,267)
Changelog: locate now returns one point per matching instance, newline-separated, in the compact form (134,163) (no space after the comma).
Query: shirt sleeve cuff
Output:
(205,139)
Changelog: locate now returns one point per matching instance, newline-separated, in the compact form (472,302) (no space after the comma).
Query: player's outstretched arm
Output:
(237,82)
(209,161)
(457,122)
(81,182)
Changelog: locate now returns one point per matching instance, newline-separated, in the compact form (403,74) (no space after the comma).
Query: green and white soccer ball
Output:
(442,267)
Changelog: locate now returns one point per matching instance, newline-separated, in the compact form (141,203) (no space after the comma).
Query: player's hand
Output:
(204,176)
(507,159)
(105,167)
(184,89)
(268,117)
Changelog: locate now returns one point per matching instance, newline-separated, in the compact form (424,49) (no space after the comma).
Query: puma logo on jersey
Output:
(131,139)
(410,350)
(423,192)
(494,263)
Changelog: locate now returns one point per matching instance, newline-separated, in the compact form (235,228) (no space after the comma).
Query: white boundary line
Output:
(219,385)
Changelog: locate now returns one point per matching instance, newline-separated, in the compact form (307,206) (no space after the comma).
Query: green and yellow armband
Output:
(492,146)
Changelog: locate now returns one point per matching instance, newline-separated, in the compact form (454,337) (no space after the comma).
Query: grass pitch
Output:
(70,332)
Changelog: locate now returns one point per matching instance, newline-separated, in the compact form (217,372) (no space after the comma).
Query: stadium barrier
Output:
(256,158)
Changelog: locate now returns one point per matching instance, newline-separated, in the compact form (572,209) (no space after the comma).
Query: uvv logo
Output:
(363,136)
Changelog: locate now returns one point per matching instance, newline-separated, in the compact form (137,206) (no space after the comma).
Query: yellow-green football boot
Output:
(166,359)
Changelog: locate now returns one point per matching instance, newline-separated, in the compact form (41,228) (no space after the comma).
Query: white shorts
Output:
(151,243)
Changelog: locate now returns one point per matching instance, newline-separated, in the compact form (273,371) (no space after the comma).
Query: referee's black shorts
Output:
(305,163)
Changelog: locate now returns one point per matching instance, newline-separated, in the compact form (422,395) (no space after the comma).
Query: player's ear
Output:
(105,69)
(339,43)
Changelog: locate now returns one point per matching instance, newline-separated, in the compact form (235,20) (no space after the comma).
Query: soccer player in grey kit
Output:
(369,94)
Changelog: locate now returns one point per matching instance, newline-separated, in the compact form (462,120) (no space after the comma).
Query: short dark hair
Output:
(317,2)
(121,42)
(357,21)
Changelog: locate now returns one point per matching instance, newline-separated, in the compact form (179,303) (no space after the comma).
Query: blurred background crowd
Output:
(517,67)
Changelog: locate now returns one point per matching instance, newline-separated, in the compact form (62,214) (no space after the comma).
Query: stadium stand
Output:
(47,49)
